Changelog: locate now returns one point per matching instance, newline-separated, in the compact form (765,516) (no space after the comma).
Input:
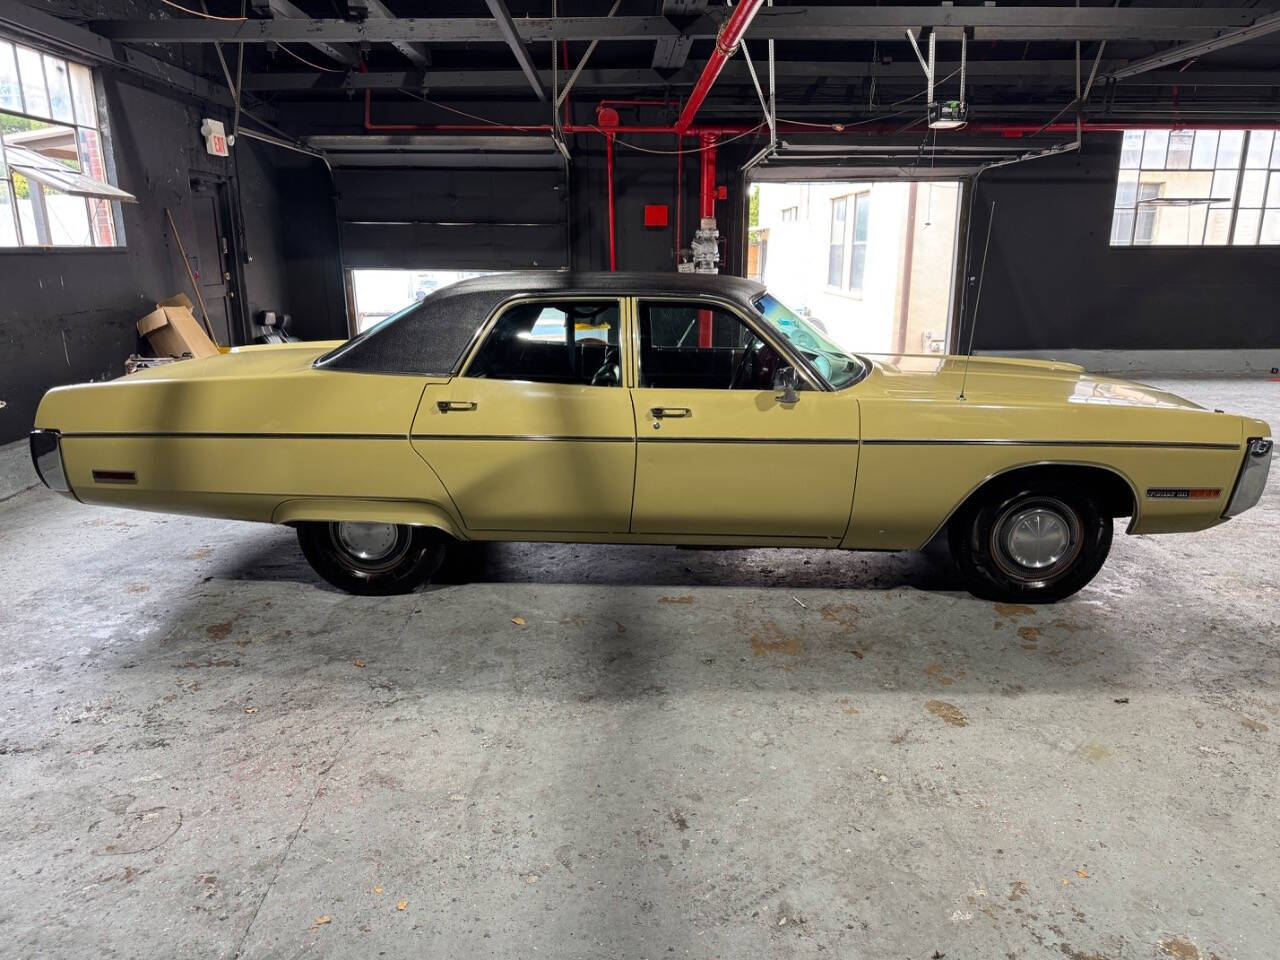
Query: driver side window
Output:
(702,346)
(553,341)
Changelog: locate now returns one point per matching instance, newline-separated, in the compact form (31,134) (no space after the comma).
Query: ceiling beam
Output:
(1009,73)
(670,53)
(1264,25)
(341,52)
(779,23)
(502,17)
(416,53)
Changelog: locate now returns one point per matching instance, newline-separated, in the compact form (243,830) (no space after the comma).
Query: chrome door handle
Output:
(445,406)
(664,412)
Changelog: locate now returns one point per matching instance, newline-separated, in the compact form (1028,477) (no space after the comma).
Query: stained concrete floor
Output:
(207,753)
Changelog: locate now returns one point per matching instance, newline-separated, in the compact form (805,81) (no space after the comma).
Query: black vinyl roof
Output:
(431,338)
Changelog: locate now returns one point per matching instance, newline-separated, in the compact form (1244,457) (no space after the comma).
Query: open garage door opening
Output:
(377,294)
(872,261)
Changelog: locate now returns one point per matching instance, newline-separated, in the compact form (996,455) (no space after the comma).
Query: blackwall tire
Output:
(1030,543)
(372,559)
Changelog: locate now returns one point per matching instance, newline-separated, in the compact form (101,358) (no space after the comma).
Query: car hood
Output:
(934,377)
(248,361)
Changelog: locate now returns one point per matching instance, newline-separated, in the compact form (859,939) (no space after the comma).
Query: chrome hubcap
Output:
(1037,538)
(369,542)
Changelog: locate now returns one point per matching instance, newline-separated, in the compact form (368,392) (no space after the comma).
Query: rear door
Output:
(718,453)
(536,435)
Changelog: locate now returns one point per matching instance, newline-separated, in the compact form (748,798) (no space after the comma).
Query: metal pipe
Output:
(707,193)
(727,41)
(613,239)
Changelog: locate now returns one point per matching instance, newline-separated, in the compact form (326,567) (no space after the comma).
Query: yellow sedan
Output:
(649,408)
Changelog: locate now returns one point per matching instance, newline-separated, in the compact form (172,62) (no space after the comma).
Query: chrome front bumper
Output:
(46,454)
(1252,478)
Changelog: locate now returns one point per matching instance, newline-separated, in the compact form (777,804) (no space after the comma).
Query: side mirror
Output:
(785,380)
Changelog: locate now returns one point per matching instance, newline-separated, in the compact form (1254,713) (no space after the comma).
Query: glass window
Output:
(699,346)
(55,181)
(835,253)
(1201,188)
(858,249)
(562,341)
(838,367)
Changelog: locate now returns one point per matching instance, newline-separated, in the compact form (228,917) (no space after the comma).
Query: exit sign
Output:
(215,137)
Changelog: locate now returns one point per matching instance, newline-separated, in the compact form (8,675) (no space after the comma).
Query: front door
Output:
(717,453)
(536,435)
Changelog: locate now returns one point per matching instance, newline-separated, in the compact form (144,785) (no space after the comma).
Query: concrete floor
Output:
(206,752)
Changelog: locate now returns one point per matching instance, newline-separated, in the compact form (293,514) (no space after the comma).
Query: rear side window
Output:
(553,341)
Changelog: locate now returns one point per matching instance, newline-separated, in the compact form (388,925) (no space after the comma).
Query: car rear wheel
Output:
(1030,543)
(374,559)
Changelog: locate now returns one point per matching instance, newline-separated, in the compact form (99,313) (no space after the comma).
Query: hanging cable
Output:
(203,16)
(281,46)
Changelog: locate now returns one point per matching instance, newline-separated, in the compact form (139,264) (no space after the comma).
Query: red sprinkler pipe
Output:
(613,239)
(727,41)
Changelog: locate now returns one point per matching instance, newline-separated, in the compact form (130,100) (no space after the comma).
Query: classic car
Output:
(649,408)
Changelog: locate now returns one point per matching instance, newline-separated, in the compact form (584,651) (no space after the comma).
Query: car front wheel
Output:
(373,559)
(1028,543)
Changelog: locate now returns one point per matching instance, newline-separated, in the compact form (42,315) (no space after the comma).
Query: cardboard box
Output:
(173,330)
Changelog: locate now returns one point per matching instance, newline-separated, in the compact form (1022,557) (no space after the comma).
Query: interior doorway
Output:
(872,261)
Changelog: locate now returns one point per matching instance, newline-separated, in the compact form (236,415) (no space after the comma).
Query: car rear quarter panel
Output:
(922,458)
(248,447)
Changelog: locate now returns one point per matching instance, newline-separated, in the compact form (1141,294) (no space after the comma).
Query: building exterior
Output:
(872,261)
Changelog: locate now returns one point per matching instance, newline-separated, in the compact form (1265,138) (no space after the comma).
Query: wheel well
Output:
(1112,490)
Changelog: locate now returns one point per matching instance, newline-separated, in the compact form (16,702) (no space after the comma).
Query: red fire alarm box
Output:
(655,214)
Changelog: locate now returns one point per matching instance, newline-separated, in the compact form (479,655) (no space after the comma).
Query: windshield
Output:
(838,367)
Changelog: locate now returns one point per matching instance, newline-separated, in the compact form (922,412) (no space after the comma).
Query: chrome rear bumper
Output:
(46,454)
(1253,476)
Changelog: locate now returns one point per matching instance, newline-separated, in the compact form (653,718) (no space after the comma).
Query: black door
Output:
(213,260)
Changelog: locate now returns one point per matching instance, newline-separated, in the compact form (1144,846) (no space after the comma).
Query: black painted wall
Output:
(1053,281)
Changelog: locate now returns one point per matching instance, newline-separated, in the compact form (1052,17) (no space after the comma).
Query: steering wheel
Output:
(745,371)
(610,373)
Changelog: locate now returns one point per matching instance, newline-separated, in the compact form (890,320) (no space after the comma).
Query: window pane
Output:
(102,223)
(1154,148)
(1273,191)
(1122,228)
(1224,187)
(1127,188)
(1217,228)
(82,94)
(568,341)
(8,225)
(1246,227)
(1270,228)
(68,218)
(1180,142)
(1144,227)
(837,219)
(1230,143)
(31,70)
(55,72)
(1252,187)
(693,346)
(1275,155)
(1259,150)
(1205,150)
(24,205)
(90,152)
(1131,149)
(835,264)
(861,215)
(10,92)
(857,266)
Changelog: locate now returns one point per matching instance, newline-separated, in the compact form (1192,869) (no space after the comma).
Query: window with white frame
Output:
(847,250)
(55,188)
(790,214)
(1197,188)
